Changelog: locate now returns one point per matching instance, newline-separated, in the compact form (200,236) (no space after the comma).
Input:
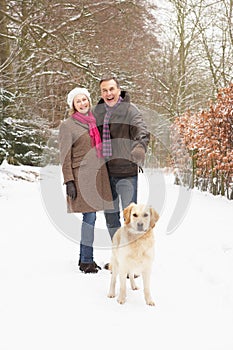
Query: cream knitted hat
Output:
(77,91)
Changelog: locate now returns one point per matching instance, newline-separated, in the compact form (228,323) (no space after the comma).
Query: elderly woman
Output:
(84,171)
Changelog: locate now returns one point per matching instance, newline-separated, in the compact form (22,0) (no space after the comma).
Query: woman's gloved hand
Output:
(71,190)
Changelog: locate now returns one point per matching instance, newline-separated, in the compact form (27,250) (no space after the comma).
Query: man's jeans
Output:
(124,190)
(87,237)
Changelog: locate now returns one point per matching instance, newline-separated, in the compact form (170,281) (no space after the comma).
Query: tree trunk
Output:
(5,47)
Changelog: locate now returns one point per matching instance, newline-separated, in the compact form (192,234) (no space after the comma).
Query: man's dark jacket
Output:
(127,130)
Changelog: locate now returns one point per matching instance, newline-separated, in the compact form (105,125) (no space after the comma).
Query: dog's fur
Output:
(133,250)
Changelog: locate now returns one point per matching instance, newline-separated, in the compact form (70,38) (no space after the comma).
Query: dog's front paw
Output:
(150,302)
(111,295)
(121,300)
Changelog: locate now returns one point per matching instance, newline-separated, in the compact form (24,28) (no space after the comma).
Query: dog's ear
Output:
(154,217)
(127,213)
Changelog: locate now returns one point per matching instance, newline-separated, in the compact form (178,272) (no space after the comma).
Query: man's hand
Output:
(71,190)
(138,154)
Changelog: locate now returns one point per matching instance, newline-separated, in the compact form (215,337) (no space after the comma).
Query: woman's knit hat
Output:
(77,91)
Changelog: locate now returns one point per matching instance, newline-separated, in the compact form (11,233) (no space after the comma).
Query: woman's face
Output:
(81,103)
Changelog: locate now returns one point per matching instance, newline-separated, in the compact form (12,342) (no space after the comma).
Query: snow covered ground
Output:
(47,303)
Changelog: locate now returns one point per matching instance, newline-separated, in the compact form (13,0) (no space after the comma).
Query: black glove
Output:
(138,154)
(71,190)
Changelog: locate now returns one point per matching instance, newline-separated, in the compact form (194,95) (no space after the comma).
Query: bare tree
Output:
(196,55)
(215,30)
(5,57)
(59,44)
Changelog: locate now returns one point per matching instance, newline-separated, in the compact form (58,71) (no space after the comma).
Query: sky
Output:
(47,303)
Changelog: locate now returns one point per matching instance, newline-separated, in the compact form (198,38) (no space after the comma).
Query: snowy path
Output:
(46,303)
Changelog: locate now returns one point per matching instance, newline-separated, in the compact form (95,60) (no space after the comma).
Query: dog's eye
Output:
(145,215)
(135,215)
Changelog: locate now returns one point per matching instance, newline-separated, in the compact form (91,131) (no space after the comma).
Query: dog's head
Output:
(140,217)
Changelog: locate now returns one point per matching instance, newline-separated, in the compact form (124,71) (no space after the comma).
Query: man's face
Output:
(110,92)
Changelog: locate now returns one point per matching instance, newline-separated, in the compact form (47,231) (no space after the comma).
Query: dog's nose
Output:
(140,226)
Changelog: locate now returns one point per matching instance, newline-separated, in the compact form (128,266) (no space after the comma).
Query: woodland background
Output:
(175,57)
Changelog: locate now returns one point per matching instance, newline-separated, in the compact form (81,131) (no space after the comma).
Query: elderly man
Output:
(125,139)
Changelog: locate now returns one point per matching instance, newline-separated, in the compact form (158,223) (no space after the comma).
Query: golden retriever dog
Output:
(133,250)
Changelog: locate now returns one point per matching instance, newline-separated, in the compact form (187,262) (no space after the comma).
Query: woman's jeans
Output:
(124,190)
(87,237)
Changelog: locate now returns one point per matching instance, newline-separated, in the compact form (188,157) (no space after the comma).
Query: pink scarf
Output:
(93,131)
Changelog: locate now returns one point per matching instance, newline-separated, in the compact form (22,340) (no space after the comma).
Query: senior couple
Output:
(101,150)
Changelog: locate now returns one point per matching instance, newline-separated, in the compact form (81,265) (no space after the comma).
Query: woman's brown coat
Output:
(80,164)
